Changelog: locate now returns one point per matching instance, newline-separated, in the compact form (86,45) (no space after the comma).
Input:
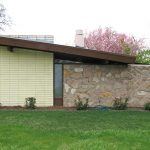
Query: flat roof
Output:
(39,38)
(68,52)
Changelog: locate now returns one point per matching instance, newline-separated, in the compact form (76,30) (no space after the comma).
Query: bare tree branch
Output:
(4,18)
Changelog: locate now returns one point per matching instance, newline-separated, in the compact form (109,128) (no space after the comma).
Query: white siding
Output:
(25,73)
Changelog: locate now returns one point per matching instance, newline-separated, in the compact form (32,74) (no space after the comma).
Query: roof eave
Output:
(68,50)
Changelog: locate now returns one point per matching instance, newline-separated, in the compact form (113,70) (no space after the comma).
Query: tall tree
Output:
(111,41)
(4,18)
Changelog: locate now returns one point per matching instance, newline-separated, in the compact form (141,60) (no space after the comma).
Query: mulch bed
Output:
(59,108)
(38,108)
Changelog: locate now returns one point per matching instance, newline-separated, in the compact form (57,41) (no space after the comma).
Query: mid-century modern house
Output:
(56,74)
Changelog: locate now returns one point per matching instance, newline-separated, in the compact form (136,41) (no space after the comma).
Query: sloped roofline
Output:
(66,52)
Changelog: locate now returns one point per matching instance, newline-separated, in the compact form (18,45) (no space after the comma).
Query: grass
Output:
(74,130)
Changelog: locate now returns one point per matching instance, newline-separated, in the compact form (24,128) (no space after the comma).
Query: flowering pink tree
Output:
(111,41)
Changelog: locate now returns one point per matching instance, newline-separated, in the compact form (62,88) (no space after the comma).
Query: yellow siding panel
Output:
(25,73)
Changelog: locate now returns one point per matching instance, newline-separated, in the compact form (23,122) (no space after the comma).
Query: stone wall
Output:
(102,83)
(139,85)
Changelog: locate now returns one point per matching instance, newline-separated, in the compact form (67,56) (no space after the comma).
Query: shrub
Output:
(143,57)
(30,102)
(120,103)
(80,105)
(147,106)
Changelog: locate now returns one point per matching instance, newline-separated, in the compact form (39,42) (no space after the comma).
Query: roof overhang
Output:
(68,52)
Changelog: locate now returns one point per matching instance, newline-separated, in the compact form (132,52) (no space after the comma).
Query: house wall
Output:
(102,83)
(139,84)
(25,73)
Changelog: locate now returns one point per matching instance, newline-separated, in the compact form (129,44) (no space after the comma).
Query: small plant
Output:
(80,105)
(120,103)
(30,102)
(147,106)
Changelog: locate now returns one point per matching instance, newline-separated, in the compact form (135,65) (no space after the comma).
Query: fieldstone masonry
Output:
(102,83)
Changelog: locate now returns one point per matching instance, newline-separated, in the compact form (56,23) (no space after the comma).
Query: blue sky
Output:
(62,17)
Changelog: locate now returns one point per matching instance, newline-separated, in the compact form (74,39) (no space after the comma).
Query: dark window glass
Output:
(58,81)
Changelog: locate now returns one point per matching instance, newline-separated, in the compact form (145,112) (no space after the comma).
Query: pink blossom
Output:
(111,41)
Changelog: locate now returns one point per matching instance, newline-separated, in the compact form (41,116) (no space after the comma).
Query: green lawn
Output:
(74,130)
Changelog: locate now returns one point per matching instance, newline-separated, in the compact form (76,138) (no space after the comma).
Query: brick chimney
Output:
(79,38)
